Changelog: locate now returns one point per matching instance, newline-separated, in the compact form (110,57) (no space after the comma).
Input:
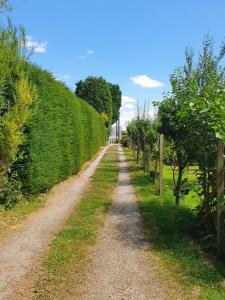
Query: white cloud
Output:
(128,103)
(146,82)
(126,99)
(63,77)
(127,111)
(90,51)
(35,45)
(66,77)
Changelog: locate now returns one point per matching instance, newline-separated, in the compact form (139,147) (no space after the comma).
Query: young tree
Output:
(143,137)
(204,114)
(207,113)
(175,131)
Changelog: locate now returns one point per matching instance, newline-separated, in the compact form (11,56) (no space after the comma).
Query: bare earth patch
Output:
(120,264)
(22,250)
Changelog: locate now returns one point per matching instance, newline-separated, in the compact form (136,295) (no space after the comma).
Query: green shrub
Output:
(10,192)
(63,132)
(124,140)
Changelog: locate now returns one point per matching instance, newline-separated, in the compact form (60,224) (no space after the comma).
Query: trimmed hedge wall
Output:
(63,133)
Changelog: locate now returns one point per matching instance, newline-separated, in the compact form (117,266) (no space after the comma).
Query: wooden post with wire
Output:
(161,181)
(220,200)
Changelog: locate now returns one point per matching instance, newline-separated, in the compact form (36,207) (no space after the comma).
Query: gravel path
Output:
(120,267)
(21,251)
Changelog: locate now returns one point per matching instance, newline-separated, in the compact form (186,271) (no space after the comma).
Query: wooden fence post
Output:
(161,181)
(220,198)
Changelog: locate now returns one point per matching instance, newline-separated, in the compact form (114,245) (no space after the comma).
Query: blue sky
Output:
(126,42)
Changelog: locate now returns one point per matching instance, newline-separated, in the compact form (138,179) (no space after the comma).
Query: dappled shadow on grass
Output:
(169,230)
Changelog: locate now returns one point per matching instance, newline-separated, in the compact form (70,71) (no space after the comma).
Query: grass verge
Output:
(182,267)
(67,256)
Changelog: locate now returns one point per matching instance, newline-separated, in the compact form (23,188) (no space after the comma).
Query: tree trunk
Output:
(178,185)
(138,152)
(156,170)
(161,181)
(220,198)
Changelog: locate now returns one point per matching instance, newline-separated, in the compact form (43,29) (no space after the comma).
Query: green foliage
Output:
(44,143)
(116,101)
(96,92)
(63,132)
(192,116)
(125,139)
(10,192)
(17,95)
(143,138)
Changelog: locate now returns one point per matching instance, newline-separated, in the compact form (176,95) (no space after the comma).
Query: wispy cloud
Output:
(127,111)
(87,53)
(90,51)
(146,82)
(36,46)
(63,77)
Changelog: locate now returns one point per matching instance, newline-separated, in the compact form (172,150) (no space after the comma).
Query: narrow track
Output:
(21,252)
(120,267)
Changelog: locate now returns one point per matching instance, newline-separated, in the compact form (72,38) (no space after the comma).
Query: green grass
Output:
(169,229)
(68,253)
(9,218)
(192,199)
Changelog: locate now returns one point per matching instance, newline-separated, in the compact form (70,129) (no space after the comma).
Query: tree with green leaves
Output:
(143,138)
(193,117)
(96,92)
(116,101)
(175,130)
(205,114)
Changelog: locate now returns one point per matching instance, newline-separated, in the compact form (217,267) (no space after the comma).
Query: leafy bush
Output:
(124,140)
(17,96)
(10,192)
(63,132)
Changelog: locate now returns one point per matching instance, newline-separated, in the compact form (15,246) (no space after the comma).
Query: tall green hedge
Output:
(64,132)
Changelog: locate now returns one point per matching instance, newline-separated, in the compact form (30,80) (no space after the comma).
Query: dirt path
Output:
(21,251)
(120,268)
